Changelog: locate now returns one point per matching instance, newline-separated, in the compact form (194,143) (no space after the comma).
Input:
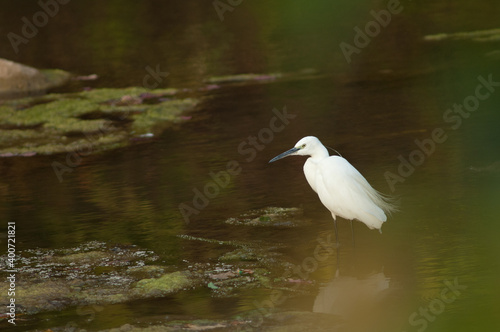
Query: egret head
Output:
(307,146)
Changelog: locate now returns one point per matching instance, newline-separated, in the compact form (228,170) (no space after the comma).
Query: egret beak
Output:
(285,154)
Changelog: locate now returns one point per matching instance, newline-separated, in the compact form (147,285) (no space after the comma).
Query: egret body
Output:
(340,187)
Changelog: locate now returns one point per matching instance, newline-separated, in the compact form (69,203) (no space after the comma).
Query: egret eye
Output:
(302,146)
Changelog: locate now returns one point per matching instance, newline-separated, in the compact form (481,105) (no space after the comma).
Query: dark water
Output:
(395,90)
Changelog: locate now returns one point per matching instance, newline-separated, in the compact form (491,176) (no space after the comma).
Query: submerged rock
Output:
(243,78)
(271,216)
(250,78)
(98,273)
(246,266)
(265,320)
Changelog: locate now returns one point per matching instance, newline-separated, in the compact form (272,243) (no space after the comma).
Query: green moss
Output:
(55,77)
(168,283)
(146,271)
(242,254)
(62,122)
(154,116)
(77,126)
(7,136)
(85,257)
(106,94)
(35,295)
(243,78)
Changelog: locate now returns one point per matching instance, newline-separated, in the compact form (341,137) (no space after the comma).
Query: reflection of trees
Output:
(116,202)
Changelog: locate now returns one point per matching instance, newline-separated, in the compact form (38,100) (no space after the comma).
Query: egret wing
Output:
(346,193)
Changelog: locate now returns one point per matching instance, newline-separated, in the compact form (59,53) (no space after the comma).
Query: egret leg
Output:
(337,245)
(352,233)
(353,245)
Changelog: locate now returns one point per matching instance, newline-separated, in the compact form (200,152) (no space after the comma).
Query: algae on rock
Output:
(90,121)
(168,283)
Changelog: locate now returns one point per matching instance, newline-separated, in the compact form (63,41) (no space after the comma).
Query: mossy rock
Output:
(89,121)
(17,79)
(92,273)
(166,284)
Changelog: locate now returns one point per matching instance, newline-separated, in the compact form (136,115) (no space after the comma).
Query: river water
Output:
(415,115)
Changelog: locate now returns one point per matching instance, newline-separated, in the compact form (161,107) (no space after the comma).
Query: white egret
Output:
(340,186)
